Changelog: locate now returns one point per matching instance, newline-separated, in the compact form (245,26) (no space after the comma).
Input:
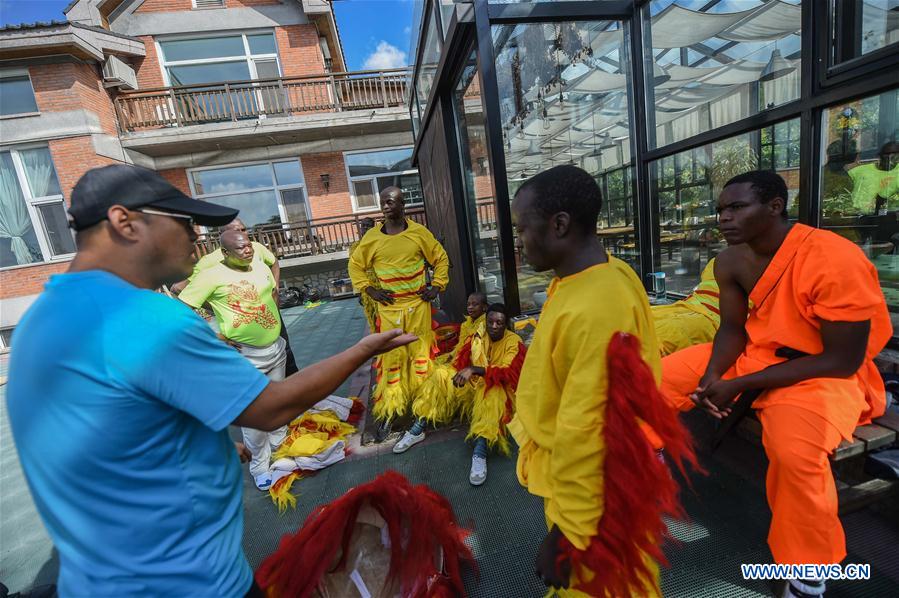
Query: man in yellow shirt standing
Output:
(399,250)
(589,379)
(239,291)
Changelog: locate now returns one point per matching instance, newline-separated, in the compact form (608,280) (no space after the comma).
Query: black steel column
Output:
(496,152)
(810,117)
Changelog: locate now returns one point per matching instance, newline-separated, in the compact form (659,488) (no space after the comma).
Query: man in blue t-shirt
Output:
(120,399)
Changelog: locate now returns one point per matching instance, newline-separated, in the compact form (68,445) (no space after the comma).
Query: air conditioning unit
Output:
(116,73)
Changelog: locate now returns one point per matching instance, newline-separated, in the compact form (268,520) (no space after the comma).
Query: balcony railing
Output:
(262,98)
(315,237)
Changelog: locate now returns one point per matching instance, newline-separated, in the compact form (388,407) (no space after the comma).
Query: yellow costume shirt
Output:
(561,397)
(399,261)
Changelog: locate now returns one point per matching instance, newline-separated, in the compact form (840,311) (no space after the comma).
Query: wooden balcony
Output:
(263,98)
(315,237)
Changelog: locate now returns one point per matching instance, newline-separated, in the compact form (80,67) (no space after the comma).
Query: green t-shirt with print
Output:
(241,300)
(868,182)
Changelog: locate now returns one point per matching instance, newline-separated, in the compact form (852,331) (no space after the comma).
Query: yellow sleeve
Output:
(198,290)
(264,253)
(360,261)
(436,256)
(578,452)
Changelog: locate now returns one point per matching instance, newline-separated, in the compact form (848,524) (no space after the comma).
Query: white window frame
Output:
(3,345)
(282,212)
(374,178)
(32,203)
(248,56)
(193,5)
(9,74)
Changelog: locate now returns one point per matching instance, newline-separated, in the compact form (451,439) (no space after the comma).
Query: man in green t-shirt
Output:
(875,186)
(260,252)
(239,289)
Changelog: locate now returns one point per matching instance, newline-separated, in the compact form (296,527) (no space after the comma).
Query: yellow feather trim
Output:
(280,492)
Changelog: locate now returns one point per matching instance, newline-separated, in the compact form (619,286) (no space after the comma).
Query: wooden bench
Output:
(856,488)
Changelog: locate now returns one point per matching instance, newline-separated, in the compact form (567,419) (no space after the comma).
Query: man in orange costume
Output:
(812,291)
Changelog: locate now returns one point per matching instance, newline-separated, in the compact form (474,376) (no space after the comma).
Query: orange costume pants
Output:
(802,495)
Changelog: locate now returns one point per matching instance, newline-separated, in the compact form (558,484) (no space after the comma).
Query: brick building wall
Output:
(177,177)
(73,86)
(72,157)
(299,51)
(147,69)
(335,201)
(176,5)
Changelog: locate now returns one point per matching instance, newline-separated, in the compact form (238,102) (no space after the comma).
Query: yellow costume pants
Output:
(678,327)
(403,370)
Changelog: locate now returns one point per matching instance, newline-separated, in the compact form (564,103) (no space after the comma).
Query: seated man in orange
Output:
(814,292)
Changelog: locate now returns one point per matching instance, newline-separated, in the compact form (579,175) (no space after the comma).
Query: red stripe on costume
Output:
(404,278)
(406,294)
(704,292)
(506,376)
(463,357)
(711,308)
(631,528)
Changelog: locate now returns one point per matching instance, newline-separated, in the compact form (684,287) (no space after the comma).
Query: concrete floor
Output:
(728,516)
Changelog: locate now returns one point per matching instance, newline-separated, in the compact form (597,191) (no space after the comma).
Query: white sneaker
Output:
(263,481)
(478,474)
(407,441)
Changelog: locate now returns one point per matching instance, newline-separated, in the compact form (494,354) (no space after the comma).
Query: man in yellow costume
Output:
(690,321)
(369,306)
(588,381)
(399,251)
(480,383)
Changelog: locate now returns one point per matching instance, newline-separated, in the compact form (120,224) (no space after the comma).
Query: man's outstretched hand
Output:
(549,570)
(428,293)
(380,295)
(382,342)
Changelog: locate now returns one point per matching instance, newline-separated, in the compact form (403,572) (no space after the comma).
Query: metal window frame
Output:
(282,211)
(822,86)
(247,56)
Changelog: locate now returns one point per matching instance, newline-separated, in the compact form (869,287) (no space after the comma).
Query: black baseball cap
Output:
(135,187)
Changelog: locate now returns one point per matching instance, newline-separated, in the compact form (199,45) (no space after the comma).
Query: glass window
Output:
(16,95)
(33,221)
(232,178)
(219,59)
(372,172)
(563,97)
(199,49)
(688,184)
(429,59)
(716,63)
(862,26)
(6,337)
(262,44)
(860,182)
(364,191)
(271,193)
(480,202)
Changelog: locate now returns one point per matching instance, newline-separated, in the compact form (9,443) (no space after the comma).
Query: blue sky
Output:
(375,33)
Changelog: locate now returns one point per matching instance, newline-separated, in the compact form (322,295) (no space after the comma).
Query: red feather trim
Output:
(506,376)
(463,357)
(356,412)
(419,522)
(639,489)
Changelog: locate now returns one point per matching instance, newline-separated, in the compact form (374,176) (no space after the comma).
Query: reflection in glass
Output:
(16,96)
(216,72)
(368,163)
(480,203)
(860,182)
(294,202)
(256,208)
(232,178)
(429,58)
(687,186)
(862,26)
(409,184)
(199,49)
(365,195)
(563,100)
(56,225)
(262,44)
(288,173)
(715,63)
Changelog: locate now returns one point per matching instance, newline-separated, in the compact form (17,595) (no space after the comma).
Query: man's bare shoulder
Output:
(731,261)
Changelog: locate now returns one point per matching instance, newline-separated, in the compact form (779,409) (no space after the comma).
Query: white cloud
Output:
(385,56)
(407,30)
